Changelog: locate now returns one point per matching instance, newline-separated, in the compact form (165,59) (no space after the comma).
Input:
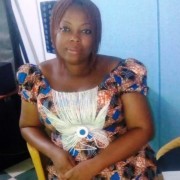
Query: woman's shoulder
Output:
(135,66)
(47,67)
(27,71)
(113,63)
(128,75)
(47,63)
(28,68)
(29,79)
(108,63)
(110,60)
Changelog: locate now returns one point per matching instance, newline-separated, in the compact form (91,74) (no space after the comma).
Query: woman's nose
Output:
(75,37)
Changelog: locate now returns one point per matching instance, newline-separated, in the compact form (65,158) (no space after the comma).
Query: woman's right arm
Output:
(32,131)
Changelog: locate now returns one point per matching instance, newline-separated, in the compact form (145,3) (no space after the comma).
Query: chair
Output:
(167,147)
(168,156)
(36,159)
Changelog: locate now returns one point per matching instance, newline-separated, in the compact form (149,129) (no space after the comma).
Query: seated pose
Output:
(94,105)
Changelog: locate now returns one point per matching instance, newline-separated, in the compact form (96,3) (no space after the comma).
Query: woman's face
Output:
(74,40)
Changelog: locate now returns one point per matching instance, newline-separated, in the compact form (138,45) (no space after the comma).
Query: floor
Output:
(21,171)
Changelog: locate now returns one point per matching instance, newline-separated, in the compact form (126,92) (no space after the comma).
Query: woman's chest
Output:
(86,107)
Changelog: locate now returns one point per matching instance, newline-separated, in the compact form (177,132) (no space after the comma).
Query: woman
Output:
(94,105)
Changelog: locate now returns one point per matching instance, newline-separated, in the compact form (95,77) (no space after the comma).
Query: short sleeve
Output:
(29,81)
(133,75)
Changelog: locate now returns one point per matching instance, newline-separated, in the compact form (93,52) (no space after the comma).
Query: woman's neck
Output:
(76,70)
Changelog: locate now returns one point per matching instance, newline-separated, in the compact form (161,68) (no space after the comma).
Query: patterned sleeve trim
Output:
(29,79)
(131,76)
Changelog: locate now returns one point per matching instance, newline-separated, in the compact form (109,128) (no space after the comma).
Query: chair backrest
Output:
(168,157)
(169,161)
(167,147)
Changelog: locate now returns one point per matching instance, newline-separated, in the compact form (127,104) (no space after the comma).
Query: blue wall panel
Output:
(170,64)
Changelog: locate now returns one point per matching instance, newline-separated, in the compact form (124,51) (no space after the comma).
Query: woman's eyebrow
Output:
(87,23)
(65,21)
(84,24)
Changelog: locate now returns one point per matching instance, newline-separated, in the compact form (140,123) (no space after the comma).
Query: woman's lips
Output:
(73,50)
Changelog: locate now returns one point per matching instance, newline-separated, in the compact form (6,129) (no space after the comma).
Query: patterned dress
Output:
(128,76)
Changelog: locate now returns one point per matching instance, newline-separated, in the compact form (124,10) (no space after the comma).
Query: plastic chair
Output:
(36,159)
(167,147)
(168,156)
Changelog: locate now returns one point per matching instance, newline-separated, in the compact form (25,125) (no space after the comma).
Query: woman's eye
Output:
(64,29)
(87,31)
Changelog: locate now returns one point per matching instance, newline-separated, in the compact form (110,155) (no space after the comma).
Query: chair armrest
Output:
(36,159)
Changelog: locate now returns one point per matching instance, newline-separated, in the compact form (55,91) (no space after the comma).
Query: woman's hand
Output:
(32,132)
(63,162)
(83,171)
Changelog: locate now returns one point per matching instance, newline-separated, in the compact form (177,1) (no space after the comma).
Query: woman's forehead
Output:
(77,13)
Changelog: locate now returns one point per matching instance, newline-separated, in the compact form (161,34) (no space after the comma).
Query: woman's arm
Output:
(140,131)
(32,132)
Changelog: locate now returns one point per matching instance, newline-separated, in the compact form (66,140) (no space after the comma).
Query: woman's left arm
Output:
(140,130)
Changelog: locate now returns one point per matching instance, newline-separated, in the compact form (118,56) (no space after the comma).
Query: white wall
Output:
(28,18)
